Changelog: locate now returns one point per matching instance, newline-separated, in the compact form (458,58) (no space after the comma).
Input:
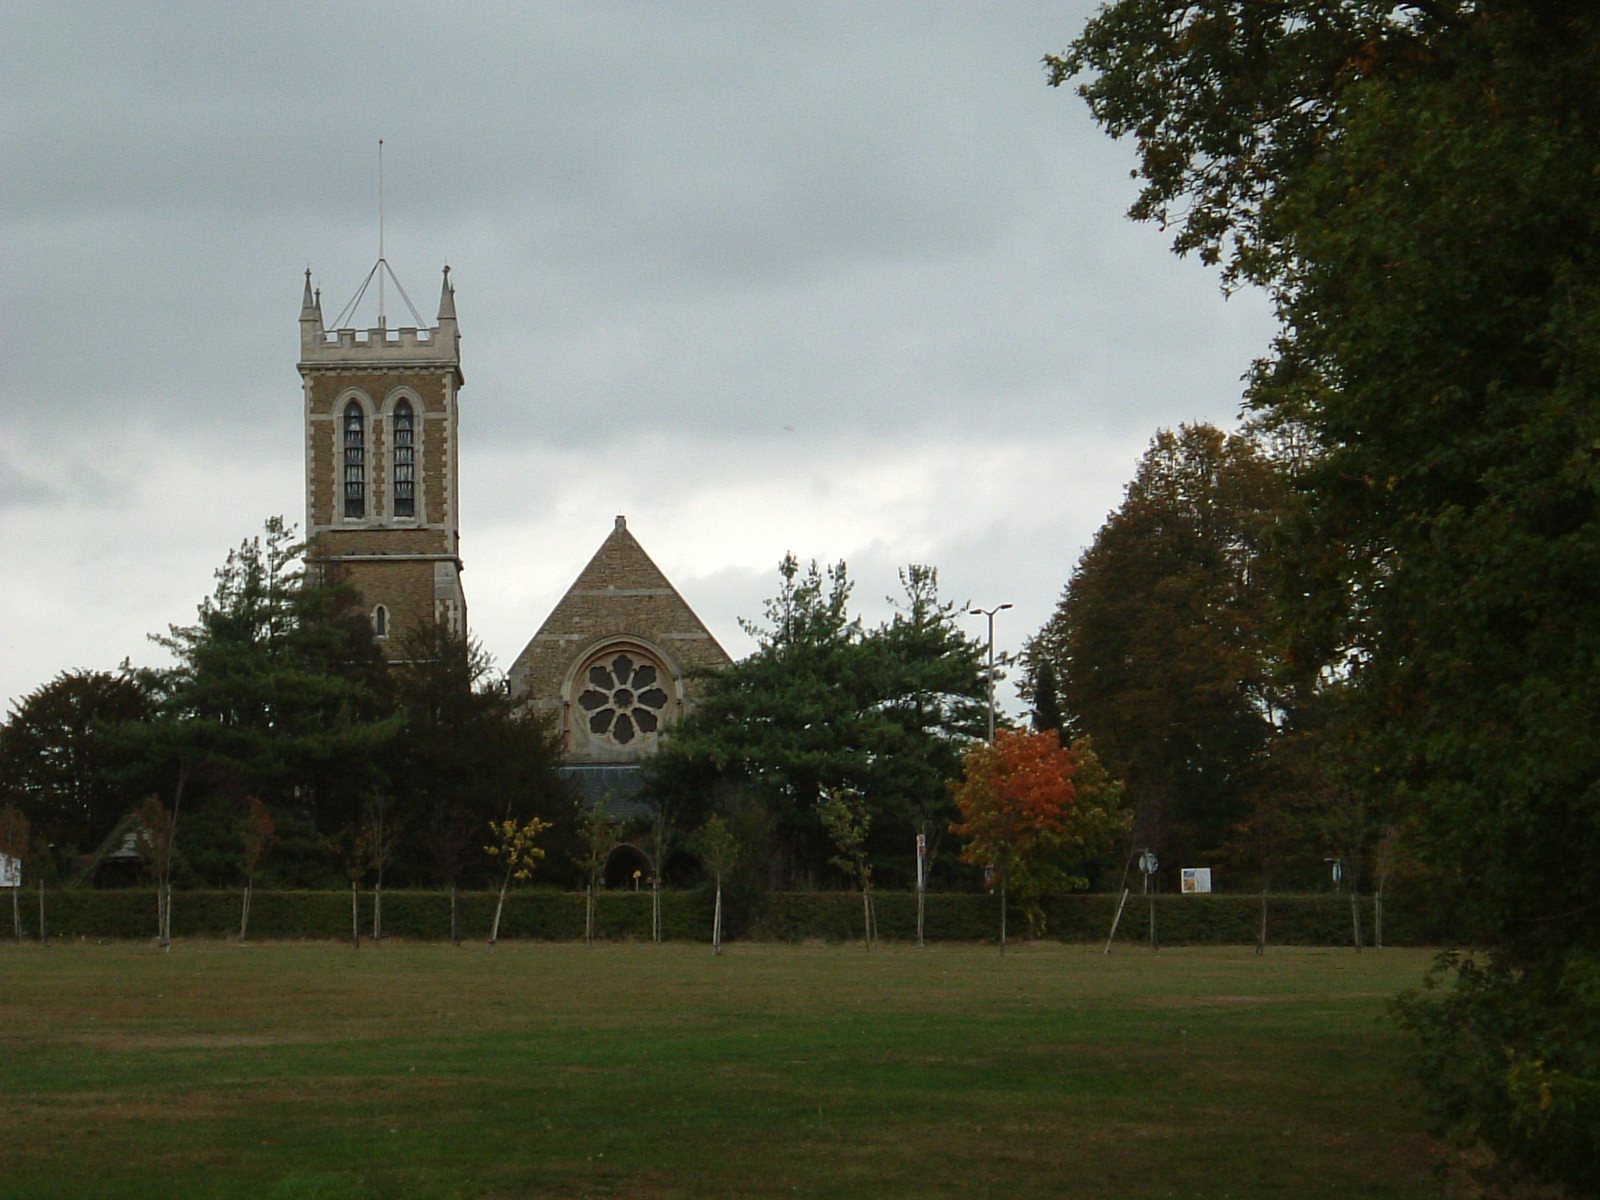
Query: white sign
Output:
(1197,879)
(1149,863)
(10,871)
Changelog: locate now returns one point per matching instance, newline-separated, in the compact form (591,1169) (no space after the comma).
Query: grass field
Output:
(293,1072)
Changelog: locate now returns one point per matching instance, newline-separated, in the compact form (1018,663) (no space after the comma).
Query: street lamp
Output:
(990,612)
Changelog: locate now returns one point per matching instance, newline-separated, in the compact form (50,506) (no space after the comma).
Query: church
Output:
(611,663)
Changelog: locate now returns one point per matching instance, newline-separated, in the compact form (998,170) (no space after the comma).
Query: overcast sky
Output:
(843,279)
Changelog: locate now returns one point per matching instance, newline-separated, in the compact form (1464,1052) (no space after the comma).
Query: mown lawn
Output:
(292,1072)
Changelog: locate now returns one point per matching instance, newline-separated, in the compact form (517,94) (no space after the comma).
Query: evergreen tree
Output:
(278,691)
(1046,695)
(824,705)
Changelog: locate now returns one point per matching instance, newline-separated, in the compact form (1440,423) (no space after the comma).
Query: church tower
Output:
(381,478)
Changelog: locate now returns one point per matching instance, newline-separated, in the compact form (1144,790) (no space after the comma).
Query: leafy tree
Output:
(844,815)
(60,759)
(1163,641)
(824,704)
(1415,184)
(719,850)
(515,845)
(1023,820)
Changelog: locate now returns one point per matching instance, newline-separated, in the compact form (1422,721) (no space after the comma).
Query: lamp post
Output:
(990,612)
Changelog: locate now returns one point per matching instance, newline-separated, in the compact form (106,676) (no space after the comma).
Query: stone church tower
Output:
(611,665)
(381,489)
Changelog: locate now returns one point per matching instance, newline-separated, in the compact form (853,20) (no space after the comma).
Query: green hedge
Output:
(1300,920)
(547,915)
(1310,920)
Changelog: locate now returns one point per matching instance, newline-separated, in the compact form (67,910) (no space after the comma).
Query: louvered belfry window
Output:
(355,461)
(405,460)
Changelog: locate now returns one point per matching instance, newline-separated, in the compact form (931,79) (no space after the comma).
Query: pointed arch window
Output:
(380,622)
(405,460)
(355,460)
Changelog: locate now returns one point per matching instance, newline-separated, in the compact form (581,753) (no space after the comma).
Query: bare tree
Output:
(601,832)
(158,834)
(260,835)
(377,841)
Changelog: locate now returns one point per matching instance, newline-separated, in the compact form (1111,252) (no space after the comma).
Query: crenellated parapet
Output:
(322,347)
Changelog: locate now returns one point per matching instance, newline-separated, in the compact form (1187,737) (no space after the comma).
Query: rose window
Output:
(623,698)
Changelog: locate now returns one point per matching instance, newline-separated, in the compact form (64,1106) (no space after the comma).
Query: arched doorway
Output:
(627,868)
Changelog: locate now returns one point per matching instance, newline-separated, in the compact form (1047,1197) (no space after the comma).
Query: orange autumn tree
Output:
(1031,810)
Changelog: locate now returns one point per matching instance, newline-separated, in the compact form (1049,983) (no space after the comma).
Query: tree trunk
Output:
(165,882)
(1117,918)
(16,910)
(866,916)
(1261,932)
(377,913)
(1377,917)
(1002,918)
(588,915)
(244,909)
(44,930)
(1355,915)
(921,910)
(455,923)
(716,921)
(355,917)
(494,930)
(163,904)
(655,910)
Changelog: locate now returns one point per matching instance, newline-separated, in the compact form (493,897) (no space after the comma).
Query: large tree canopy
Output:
(1162,640)
(1418,184)
(60,762)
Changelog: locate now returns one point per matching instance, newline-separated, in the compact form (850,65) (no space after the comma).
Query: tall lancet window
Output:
(355,461)
(405,461)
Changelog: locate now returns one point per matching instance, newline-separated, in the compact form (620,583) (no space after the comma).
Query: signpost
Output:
(11,877)
(1150,864)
